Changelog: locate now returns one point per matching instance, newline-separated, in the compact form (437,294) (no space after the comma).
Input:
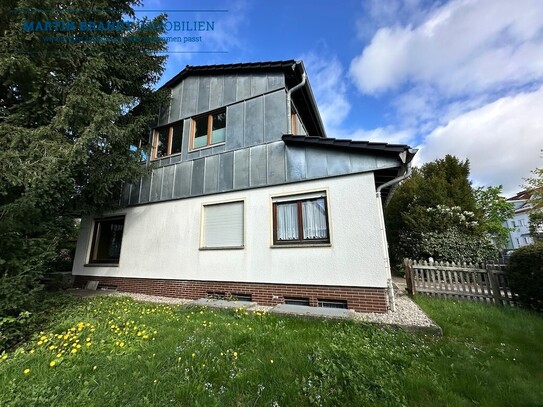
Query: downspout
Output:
(289,98)
(390,288)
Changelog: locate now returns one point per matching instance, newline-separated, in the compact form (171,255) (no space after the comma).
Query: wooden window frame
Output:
(170,139)
(94,237)
(300,223)
(209,128)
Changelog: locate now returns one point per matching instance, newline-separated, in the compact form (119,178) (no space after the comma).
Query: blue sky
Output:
(463,77)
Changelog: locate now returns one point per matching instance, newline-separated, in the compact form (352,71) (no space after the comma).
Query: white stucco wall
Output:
(162,240)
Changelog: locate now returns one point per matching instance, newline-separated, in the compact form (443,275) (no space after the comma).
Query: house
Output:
(519,224)
(249,198)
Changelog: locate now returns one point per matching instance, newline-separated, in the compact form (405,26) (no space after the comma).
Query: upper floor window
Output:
(300,219)
(209,129)
(167,140)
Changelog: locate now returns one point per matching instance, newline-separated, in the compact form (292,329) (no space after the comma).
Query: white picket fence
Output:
(478,282)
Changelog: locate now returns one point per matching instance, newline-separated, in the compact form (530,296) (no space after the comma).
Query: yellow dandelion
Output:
(89,343)
(26,371)
(32,351)
(52,363)
(59,355)
(235,354)
(271,360)
(145,336)
(43,338)
(94,367)
(40,342)
(194,354)
(139,333)
(4,356)
(74,350)
(121,344)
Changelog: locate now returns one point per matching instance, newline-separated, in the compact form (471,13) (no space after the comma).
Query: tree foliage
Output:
(69,112)
(495,211)
(435,213)
(525,271)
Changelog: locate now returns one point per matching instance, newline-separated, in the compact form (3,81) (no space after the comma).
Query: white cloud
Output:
(462,47)
(502,140)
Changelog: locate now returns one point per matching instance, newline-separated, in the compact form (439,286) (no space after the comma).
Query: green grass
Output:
(145,354)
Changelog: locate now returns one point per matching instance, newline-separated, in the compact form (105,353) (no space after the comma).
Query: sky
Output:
(460,77)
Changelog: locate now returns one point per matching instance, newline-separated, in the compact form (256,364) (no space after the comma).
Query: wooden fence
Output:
(478,282)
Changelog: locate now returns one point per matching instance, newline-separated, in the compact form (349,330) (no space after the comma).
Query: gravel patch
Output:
(154,298)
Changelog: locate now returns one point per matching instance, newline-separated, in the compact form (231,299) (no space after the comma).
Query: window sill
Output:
(100,265)
(223,248)
(193,150)
(299,245)
(163,157)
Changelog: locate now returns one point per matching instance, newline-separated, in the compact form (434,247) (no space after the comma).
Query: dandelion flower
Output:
(194,354)
(94,367)
(52,363)
(235,354)
(26,371)
(74,350)
(59,355)
(121,344)
(4,356)
(271,360)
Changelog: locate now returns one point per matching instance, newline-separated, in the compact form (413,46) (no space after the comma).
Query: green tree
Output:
(69,112)
(434,213)
(495,211)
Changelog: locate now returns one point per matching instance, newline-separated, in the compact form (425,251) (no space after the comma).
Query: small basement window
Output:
(296,301)
(106,240)
(217,295)
(332,304)
(241,297)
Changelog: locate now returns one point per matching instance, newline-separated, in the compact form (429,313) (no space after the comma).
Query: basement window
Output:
(332,304)
(296,301)
(106,240)
(241,297)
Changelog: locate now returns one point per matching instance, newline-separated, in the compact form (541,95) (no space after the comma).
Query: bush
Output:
(526,275)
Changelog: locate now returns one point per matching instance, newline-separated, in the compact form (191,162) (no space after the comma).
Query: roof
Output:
(348,144)
(521,196)
(303,99)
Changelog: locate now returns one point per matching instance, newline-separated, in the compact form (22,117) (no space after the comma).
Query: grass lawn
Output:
(112,351)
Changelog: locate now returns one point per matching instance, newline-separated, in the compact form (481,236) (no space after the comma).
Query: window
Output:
(332,303)
(296,301)
(300,219)
(209,129)
(106,240)
(167,140)
(223,225)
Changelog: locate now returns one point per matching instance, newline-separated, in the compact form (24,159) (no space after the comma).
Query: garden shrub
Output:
(526,275)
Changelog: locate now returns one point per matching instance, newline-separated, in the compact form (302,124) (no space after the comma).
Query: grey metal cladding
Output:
(183,179)
(164,114)
(189,104)
(192,155)
(276,80)
(175,108)
(145,188)
(167,182)
(218,149)
(216,90)
(258,166)
(254,122)
(296,163)
(241,169)
(197,184)
(211,172)
(226,172)
(135,193)
(230,85)
(275,116)
(186,140)
(234,126)
(338,163)
(258,84)
(203,94)
(276,163)
(156,184)
(317,163)
(175,158)
(363,162)
(204,152)
(243,87)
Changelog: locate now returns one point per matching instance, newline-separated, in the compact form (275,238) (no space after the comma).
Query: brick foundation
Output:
(361,299)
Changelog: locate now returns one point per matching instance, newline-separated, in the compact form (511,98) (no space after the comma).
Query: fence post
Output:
(494,284)
(410,281)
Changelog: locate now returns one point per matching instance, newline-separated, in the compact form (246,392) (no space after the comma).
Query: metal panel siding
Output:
(204,152)
(145,188)
(175,110)
(156,184)
(226,172)
(254,122)
(189,104)
(259,166)
(276,163)
(234,126)
(203,94)
(338,163)
(167,182)
(197,184)
(219,149)
(243,87)
(276,80)
(183,179)
(193,155)
(186,139)
(361,163)
(135,193)
(241,169)
(216,89)
(275,116)
(164,114)
(230,85)
(175,159)
(211,181)
(296,169)
(316,163)
(258,84)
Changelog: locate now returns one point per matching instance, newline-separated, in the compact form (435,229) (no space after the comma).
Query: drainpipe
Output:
(289,98)
(390,288)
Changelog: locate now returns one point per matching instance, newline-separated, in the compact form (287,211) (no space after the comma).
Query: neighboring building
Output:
(247,197)
(519,224)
